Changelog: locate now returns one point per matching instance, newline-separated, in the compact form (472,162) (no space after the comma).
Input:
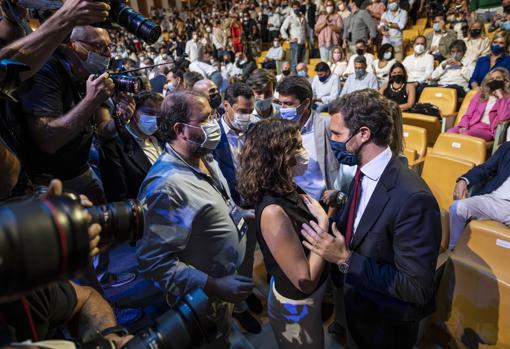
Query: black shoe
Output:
(247,322)
(337,329)
(254,304)
(327,311)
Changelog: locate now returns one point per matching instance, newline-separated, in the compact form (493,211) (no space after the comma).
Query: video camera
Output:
(185,326)
(42,240)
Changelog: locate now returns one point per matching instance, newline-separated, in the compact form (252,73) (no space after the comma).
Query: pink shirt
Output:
(327,37)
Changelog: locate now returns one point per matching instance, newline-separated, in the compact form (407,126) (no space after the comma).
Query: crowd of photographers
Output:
(115,115)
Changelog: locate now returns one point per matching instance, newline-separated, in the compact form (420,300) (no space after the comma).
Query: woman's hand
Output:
(498,93)
(317,211)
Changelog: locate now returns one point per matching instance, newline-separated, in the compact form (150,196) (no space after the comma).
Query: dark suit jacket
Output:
(157,83)
(311,14)
(493,172)
(123,166)
(395,249)
(223,156)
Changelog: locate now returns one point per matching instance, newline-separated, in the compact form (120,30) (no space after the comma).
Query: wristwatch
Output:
(343,265)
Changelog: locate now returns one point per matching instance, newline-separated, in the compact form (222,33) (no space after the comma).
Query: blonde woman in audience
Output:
(477,43)
(338,61)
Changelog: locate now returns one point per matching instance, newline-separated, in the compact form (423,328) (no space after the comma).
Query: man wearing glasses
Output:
(194,234)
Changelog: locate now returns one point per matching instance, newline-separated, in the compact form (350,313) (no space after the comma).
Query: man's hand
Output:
(99,89)
(331,248)
(329,197)
(232,288)
(117,340)
(125,106)
(83,12)
(460,190)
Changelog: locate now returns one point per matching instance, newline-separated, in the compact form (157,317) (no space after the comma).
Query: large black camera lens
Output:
(185,326)
(120,221)
(134,22)
(41,241)
(127,83)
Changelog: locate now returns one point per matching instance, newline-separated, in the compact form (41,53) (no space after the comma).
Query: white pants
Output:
(296,323)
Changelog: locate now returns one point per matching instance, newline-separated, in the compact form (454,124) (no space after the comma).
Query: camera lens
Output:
(127,83)
(135,22)
(41,241)
(120,221)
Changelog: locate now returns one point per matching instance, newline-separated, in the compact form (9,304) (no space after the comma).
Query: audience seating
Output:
(408,36)
(421,24)
(461,147)
(464,106)
(431,123)
(415,139)
(479,284)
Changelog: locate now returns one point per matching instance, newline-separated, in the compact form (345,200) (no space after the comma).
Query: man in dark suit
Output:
(492,201)
(309,9)
(125,160)
(391,229)
(159,80)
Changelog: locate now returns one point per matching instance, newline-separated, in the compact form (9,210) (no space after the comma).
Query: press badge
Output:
(238,220)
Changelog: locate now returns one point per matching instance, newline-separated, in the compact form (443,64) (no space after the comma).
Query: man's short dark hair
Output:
(236,90)
(191,77)
(296,86)
(358,3)
(259,79)
(322,67)
(177,107)
(145,96)
(296,3)
(421,36)
(361,41)
(360,109)
(177,73)
(360,59)
(459,45)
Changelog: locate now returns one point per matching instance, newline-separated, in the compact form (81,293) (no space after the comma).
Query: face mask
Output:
(457,56)
(387,55)
(337,56)
(264,105)
(208,30)
(276,44)
(195,37)
(393,6)
(286,72)
(419,49)
(496,49)
(148,124)
(301,165)
(506,8)
(398,78)
(297,12)
(241,121)
(301,73)
(290,114)
(359,73)
(212,134)
(505,26)
(284,5)
(215,100)
(342,155)
(329,9)
(437,27)
(360,51)
(170,87)
(96,64)
(323,78)
(475,32)
(496,85)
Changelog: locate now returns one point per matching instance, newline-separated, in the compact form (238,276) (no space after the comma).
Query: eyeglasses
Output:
(98,48)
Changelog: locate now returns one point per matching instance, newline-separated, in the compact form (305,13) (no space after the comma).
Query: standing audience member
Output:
(476,42)
(194,48)
(208,88)
(358,26)
(329,28)
(274,23)
(309,10)
(393,23)
(274,54)
(488,107)
(175,81)
(263,84)
(376,10)
(343,9)
(293,30)
(419,65)
(194,235)
(361,79)
(497,58)
(439,41)
(159,81)
(298,280)
(190,78)
(361,51)
(325,86)
(236,34)
(382,65)
(397,89)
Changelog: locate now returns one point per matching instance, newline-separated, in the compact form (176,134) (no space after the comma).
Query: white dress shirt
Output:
(275,53)
(419,68)
(350,66)
(450,75)
(193,49)
(235,142)
(503,192)
(328,90)
(294,27)
(372,172)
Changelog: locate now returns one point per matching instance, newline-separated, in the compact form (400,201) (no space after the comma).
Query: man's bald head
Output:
(205,86)
(90,35)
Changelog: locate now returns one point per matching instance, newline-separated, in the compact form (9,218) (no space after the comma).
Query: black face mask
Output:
(476,32)
(506,8)
(398,78)
(215,100)
(360,51)
(286,72)
(496,85)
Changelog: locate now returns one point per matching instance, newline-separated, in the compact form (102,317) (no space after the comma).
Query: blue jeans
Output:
(296,54)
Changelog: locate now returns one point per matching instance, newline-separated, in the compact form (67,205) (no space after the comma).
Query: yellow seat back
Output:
(430,123)
(416,138)
(464,106)
(443,98)
(461,147)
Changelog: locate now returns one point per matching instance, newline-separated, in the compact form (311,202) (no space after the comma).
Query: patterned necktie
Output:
(353,208)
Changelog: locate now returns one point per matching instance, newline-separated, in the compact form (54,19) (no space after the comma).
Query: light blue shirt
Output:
(395,37)
(352,84)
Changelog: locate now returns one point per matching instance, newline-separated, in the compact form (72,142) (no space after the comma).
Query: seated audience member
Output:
(175,81)
(338,61)
(393,23)
(274,54)
(361,50)
(419,65)
(490,202)
(501,21)
(488,107)
(199,242)
(302,71)
(263,84)
(325,86)
(398,89)
(246,63)
(440,39)
(361,79)
(455,72)
(159,80)
(295,95)
(298,278)
(477,44)
(382,65)
(209,89)
(125,160)
(190,78)
(497,58)
(285,71)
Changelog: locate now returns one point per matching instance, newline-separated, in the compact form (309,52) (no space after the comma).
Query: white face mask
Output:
(329,9)
(419,49)
(212,135)
(148,124)
(241,121)
(301,165)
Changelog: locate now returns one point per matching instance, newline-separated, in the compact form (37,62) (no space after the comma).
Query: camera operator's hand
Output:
(117,340)
(232,288)
(125,106)
(99,89)
(83,12)
(19,11)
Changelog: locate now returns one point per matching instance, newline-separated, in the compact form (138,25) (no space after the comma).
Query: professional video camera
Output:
(120,14)
(126,83)
(42,240)
(185,326)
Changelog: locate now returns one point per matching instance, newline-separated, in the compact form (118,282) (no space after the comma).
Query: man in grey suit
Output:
(296,100)
(359,25)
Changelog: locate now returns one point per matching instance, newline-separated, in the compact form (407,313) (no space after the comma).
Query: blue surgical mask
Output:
(437,27)
(360,73)
(505,26)
(95,63)
(387,55)
(342,155)
(148,124)
(290,113)
(496,49)
(323,78)
(301,73)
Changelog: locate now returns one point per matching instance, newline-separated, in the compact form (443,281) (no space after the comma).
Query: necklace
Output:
(398,89)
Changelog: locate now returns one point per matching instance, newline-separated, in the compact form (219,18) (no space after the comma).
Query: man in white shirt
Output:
(420,65)
(393,22)
(361,50)
(274,54)
(361,79)
(294,29)
(193,48)
(274,22)
(455,72)
(325,86)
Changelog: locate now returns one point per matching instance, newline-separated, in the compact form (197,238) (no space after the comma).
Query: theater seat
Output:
(479,280)
(446,100)
(416,138)
(464,106)
(430,123)
(440,173)
(468,148)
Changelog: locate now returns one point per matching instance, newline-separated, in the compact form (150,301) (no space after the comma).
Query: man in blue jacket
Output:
(493,199)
